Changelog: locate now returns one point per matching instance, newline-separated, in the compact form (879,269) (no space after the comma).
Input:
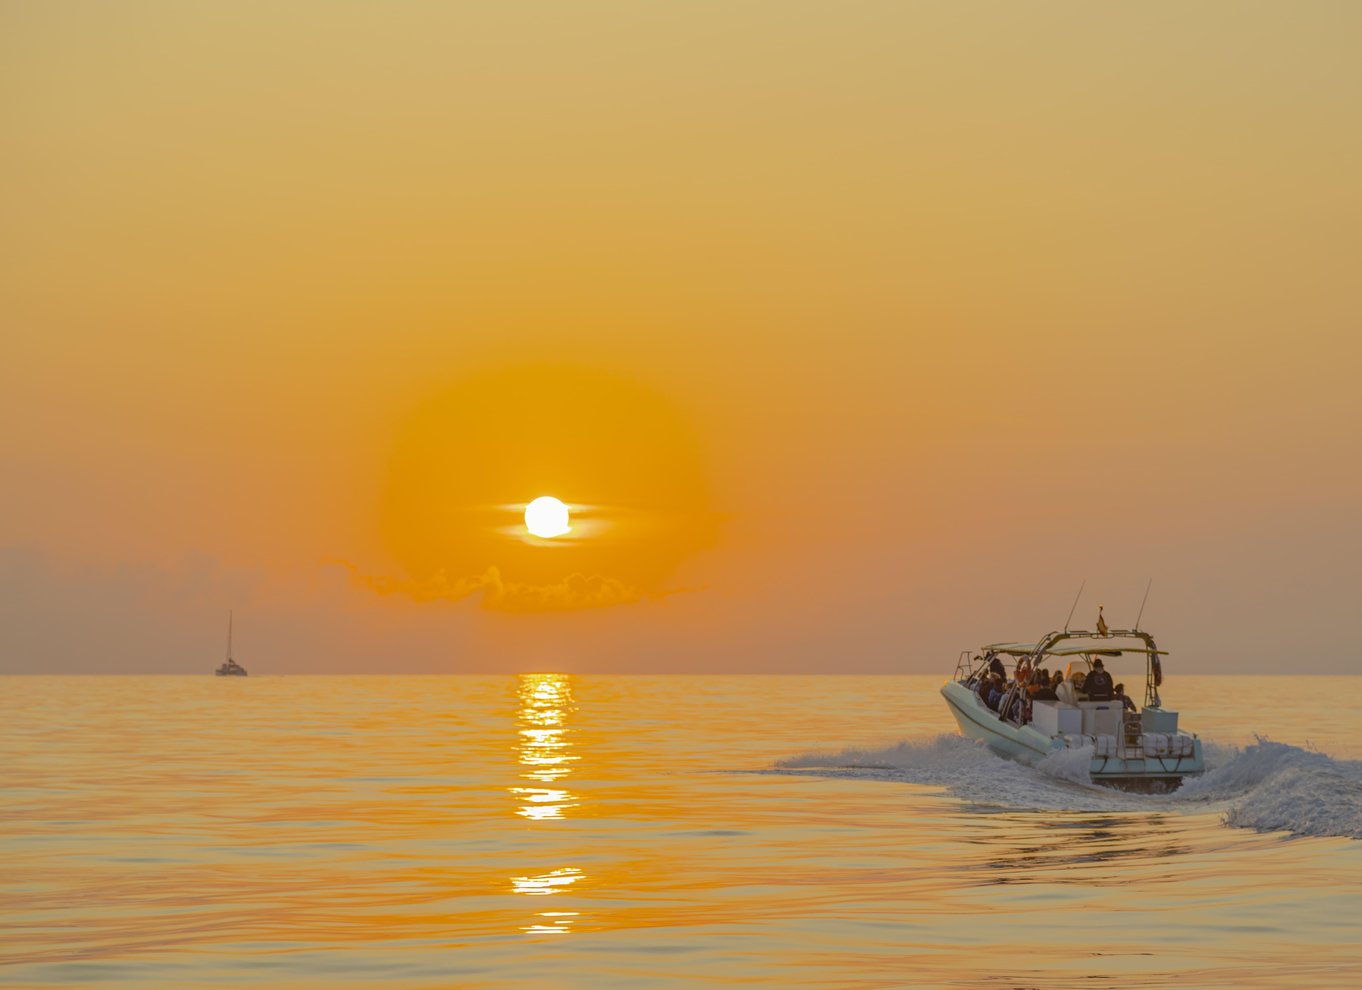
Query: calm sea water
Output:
(553,831)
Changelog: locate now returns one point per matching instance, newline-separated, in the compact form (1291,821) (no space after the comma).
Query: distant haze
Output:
(857,335)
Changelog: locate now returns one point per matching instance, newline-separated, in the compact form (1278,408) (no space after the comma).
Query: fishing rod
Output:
(1075,605)
(1143,601)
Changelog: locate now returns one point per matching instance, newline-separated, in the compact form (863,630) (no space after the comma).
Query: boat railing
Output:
(965,666)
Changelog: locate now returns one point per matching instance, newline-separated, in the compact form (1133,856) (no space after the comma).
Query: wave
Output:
(1266,786)
(1276,787)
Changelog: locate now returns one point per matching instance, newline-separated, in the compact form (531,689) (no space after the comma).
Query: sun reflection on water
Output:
(542,885)
(545,749)
(546,757)
(556,925)
(547,883)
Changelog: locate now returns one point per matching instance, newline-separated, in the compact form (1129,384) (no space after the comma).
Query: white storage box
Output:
(1159,720)
(1053,719)
(1100,718)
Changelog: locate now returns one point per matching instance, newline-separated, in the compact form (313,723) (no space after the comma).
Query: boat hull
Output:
(1128,770)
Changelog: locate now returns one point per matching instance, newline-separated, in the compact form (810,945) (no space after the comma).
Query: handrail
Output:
(966,665)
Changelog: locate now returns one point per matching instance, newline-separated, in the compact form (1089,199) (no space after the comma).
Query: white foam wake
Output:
(1275,787)
(1267,786)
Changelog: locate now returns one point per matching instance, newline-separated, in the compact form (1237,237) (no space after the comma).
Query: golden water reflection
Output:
(545,748)
(543,885)
(546,758)
(547,883)
(556,925)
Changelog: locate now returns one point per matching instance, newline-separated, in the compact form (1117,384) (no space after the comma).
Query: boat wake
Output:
(1266,786)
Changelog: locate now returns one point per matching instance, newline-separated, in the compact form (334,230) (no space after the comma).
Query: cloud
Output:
(576,591)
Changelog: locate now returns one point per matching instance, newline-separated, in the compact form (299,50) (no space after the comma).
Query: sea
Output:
(561,831)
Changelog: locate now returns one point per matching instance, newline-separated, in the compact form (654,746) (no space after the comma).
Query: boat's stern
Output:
(1152,761)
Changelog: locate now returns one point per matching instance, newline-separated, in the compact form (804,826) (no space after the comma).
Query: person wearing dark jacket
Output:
(1098,685)
(1039,689)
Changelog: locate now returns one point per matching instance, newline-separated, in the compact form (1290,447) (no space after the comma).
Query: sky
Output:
(854,335)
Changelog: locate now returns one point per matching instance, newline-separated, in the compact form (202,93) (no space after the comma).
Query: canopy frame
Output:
(1053,644)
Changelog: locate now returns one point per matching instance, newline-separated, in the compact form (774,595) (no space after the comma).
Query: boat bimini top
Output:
(1071,643)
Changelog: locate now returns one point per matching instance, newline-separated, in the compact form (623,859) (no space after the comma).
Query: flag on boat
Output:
(1101,623)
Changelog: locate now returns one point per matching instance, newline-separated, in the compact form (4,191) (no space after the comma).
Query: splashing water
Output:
(1266,786)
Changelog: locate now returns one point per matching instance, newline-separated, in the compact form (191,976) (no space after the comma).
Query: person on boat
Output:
(981,684)
(1127,703)
(1056,679)
(995,666)
(1071,691)
(1098,684)
(1040,689)
(996,690)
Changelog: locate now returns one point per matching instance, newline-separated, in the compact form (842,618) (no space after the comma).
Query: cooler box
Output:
(1053,718)
(1158,720)
(1101,718)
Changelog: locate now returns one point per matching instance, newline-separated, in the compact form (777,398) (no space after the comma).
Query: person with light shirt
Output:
(1071,691)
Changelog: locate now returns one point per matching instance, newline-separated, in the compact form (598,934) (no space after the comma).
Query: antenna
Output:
(1075,605)
(1142,602)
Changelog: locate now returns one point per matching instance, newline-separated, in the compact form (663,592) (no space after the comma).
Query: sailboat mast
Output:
(229,634)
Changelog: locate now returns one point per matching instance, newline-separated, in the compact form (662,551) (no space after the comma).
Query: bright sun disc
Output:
(546,517)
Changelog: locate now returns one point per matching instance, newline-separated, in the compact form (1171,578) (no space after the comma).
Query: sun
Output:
(546,517)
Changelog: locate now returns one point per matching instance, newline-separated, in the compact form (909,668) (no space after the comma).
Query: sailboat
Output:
(231,668)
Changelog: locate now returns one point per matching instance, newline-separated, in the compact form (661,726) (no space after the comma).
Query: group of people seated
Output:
(1041,685)
(1095,685)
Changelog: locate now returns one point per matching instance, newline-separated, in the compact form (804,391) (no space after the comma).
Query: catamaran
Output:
(231,668)
(1141,749)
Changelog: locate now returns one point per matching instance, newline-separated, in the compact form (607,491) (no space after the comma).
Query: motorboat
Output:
(1131,747)
(230,668)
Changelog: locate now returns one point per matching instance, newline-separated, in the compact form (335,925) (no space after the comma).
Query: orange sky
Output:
(864,332)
